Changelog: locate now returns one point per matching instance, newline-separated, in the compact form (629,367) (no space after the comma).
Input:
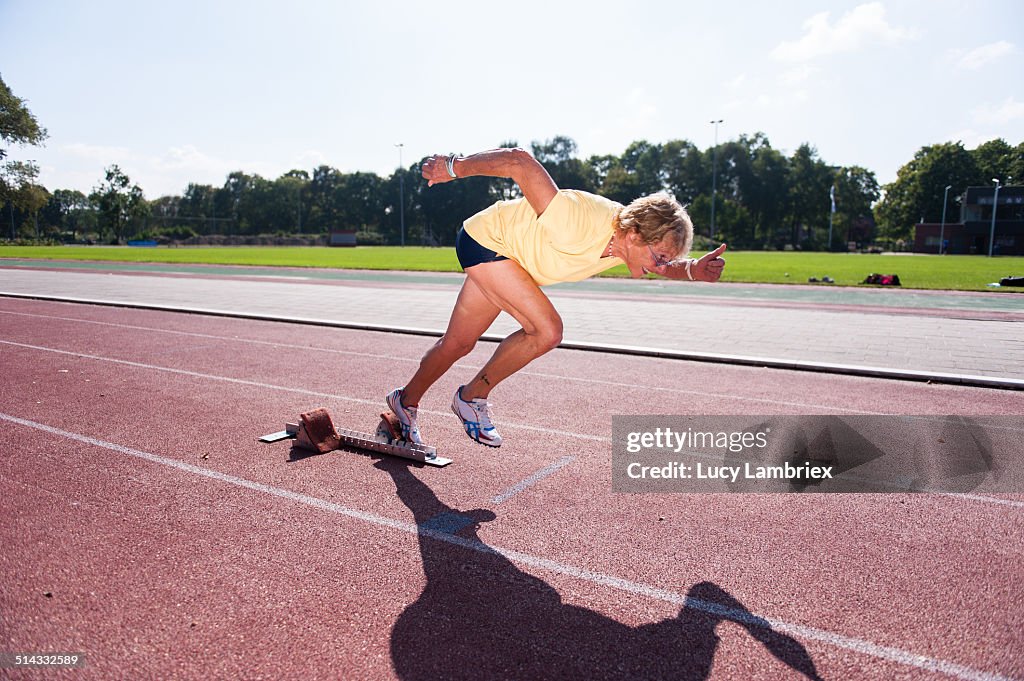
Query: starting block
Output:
(316,432)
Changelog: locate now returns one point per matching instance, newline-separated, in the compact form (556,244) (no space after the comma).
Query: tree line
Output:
(764,199)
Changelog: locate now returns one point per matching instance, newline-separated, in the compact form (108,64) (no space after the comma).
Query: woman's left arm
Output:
(707,268)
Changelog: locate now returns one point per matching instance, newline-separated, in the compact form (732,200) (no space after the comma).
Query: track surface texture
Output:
(146,527)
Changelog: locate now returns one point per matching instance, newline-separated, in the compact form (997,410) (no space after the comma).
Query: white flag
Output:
(832,196)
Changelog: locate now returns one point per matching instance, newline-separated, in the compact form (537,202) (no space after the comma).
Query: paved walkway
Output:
(960,334)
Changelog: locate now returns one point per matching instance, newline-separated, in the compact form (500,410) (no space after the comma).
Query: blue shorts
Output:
(470,253)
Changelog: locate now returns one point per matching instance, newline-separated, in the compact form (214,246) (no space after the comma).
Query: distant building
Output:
(971,234)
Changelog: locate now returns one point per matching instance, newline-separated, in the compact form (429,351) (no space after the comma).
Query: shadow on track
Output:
(481,617)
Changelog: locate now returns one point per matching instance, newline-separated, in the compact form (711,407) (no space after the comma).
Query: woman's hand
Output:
(435,171)
(709,268)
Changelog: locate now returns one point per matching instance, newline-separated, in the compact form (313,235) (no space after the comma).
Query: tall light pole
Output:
(942,229)
(995,204)
(714,176)
(401,190)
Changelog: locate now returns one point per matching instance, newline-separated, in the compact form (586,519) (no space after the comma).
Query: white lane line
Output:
(298,391)
(858,645)
(376,403)
(984,497)
(532,480)
(193,334)
(525,372)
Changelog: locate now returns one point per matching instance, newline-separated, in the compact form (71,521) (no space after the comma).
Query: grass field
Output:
(954,272)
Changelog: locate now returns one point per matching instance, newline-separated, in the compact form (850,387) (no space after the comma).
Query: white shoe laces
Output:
(483,413)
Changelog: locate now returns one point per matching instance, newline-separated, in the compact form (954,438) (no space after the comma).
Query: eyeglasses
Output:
(658,260)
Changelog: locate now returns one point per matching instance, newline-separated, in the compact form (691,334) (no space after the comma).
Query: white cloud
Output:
(772,100)
(970,137)
(311,159)
(981,56)
(737,83)
(1009,110)
(95,152)
(188,156)
(761,94)
(861,26)
(797,75)
(780,101)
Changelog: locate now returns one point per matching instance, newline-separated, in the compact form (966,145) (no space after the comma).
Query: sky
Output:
(180,92)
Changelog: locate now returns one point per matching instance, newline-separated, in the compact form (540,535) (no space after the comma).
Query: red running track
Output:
(147,528)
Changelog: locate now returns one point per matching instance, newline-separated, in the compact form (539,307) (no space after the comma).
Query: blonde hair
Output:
(656,217)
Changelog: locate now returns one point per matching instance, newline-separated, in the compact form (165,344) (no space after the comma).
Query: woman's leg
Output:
(473,313)
(506,285)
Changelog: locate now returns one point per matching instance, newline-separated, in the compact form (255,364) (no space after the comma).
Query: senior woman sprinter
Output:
(511,249)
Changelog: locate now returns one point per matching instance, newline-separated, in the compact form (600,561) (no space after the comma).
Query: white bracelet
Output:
(689,263)
(449,164)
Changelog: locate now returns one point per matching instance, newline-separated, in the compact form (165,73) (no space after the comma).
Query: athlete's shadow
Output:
(481,617)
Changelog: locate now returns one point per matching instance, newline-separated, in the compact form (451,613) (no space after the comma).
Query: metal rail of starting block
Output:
(379,442)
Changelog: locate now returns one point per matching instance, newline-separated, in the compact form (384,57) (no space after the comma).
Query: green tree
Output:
(734,176)
(119,202)
(362,202)
(685,169)
(324,199)
(856,191)
(29,199)
(18,187)
(644,161)
(290,191)
(197,201)
(558,156)
(754,176)
(995,159)
(765,191)
(620,184)
(1017,164)
(19,191)
(809,182)
(234,198)
(69,210)
(920,185)
(596,169)
(17,124)
(734,224)
(267,207)
(407,183)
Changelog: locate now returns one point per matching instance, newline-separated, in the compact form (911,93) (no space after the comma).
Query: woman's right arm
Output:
(517,164)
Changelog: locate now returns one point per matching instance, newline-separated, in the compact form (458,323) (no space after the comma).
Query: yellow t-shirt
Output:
(564,244)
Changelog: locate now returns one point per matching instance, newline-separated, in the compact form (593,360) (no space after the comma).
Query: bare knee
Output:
(548,336)
(455,347)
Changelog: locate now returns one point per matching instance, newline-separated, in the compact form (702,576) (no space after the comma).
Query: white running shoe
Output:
(476,419)
(406,416)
